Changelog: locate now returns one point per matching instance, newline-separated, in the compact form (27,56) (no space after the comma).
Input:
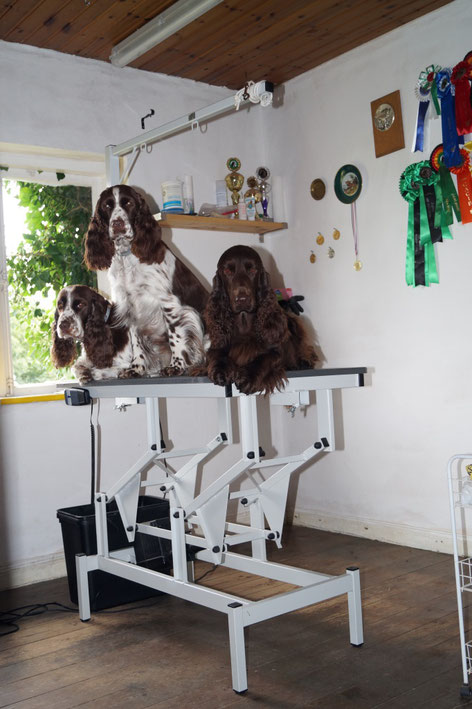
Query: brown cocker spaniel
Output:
(253,341)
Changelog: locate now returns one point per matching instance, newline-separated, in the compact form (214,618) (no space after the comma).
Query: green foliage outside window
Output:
(49,257)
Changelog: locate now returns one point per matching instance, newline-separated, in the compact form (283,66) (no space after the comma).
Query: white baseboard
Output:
(23,573)
(393,533)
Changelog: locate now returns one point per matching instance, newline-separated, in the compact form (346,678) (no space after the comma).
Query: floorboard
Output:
(166,653)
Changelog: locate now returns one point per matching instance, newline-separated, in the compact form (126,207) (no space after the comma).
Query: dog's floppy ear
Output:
(271,321)
(146,245)
(218,315)
(98,339)
(63,350)
(99,248)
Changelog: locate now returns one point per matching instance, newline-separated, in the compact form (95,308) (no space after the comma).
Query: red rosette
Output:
(460,78)
(464,186)
(464,164)
(468,60)
(436,158)
(461,71)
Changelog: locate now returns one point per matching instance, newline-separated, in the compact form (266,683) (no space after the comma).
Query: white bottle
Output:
(242,211)
(251,209)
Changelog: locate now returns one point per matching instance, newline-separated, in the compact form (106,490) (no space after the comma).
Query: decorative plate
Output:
(348,184)
(318,189)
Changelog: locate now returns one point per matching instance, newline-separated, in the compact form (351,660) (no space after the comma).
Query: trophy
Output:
(263,173)
(234,180)
(254,191)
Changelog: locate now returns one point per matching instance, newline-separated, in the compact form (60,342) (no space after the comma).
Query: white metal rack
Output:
(200,519)
(460,504)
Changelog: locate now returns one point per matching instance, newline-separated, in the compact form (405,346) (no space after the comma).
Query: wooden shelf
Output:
(189,221)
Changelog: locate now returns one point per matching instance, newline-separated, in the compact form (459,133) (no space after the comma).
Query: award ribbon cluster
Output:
(428,186)
(450,92)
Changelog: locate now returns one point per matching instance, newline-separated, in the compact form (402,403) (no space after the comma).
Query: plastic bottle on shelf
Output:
(242,211)
(250,209)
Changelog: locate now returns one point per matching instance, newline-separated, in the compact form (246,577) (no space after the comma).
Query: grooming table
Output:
(200,519)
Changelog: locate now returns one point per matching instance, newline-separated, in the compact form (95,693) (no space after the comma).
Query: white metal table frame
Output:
(199,519)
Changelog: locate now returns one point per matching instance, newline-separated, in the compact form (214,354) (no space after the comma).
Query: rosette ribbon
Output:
(460,78)
(419,186)
(464,186)
(425,91)
(449,197)
(445,90)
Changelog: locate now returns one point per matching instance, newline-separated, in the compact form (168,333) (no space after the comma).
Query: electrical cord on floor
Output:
(11,618)
(210,571)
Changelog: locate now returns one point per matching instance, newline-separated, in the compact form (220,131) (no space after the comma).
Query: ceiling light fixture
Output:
(158,29)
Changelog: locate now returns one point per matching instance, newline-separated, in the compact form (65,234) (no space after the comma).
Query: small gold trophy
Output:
(234,181)
(254,190)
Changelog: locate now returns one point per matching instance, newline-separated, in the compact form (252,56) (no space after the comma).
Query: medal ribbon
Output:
(464,187)
(450,200)
(354,229)
(463,107)
(452,156)
(425,90)
(420,121)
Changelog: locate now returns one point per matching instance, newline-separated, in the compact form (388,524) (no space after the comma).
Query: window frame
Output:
(40,165)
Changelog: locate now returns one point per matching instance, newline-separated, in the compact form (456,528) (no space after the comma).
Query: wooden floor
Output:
(173,654)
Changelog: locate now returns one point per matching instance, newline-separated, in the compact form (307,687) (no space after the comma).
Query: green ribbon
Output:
(420,267)
(434,96)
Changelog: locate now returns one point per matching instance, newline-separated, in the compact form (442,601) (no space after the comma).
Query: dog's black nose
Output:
(118,226)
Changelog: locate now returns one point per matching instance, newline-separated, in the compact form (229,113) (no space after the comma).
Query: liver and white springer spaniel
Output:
(83,315)
(156,295)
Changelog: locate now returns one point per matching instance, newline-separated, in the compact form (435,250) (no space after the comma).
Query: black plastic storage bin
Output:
(79,536)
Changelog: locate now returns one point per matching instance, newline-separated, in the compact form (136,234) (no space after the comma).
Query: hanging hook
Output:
(151,113)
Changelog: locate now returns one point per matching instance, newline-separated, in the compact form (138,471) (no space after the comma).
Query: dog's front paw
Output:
(175,369)
(218,373)
(83,373)
(244,382)
(130,373)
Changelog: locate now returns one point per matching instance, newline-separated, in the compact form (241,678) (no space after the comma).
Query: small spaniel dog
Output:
(155,294)
(83,315)
(253,341)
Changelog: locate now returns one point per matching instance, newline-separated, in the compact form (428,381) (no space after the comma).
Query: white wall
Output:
(388,478)
(389,481)
(62,102)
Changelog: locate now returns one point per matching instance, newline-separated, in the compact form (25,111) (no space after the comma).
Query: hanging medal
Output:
(348,186)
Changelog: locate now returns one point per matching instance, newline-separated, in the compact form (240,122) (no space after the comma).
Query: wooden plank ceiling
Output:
(236,41)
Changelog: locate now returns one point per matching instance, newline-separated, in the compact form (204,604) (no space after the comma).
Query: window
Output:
(44,215)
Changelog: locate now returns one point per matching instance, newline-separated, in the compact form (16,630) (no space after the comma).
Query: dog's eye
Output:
(109,205)
(227,271)
(79,305)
